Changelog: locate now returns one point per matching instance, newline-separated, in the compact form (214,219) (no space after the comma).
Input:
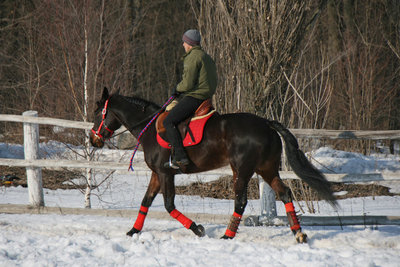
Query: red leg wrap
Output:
(233,225)
(185,221)
(140,218)
(292,217)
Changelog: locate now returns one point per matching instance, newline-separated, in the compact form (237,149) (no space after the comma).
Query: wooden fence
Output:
(33,164)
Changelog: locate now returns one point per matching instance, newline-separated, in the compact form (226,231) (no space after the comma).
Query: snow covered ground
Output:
(83,240)
(54,240)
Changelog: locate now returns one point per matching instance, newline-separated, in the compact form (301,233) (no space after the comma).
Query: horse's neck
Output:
(135,113)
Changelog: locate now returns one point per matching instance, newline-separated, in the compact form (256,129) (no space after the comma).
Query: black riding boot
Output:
(179,156)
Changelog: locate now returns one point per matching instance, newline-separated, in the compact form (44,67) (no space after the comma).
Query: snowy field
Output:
(82,240)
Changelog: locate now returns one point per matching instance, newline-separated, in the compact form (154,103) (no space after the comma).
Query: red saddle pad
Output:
(196,126)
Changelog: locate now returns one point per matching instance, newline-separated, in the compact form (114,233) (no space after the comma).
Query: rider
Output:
(199,81)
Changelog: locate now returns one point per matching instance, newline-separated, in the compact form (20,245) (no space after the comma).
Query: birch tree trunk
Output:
(89,172)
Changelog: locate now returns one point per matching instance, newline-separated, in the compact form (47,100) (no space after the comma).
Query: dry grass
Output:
(223,189)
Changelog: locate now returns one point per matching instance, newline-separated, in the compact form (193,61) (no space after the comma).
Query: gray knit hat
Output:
(192,37)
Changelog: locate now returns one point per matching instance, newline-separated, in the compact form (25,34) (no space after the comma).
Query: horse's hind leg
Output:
(285,195)
(240,183)
(152,191)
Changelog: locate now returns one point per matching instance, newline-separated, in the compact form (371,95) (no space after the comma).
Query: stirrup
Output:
(170,164)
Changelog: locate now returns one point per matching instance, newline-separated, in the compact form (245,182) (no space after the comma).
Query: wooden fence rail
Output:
(47,121)
(267,198)
(110,165)
(299,133)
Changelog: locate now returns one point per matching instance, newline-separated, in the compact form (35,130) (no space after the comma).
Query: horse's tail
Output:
(302,167)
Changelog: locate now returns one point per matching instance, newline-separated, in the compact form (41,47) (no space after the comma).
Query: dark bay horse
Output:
(248,143)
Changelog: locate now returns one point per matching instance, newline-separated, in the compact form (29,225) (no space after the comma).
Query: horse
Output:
(248,143)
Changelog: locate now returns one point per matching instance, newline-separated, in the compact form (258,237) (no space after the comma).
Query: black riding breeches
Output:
(185,108)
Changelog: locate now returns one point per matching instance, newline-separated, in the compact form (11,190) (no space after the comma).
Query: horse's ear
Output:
(105,94)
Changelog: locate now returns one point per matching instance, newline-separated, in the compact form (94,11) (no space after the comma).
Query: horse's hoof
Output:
(226,237)
(301,237)
(198,230)
(132,232)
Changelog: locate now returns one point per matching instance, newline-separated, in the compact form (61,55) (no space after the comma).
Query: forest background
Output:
(324,64)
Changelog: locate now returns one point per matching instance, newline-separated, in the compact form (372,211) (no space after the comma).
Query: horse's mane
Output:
(139,101)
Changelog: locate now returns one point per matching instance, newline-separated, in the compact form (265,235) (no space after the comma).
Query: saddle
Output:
(190,129)
(203,110)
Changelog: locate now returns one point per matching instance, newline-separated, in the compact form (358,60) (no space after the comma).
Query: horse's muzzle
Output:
(96,140)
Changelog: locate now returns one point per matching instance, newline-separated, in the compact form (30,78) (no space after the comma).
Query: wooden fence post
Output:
(268,203)
(267,197)
(31,151)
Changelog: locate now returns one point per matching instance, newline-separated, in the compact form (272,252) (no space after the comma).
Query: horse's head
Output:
(105,122)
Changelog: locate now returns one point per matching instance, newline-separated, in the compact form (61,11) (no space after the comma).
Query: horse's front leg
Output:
(168,189)
(152,191)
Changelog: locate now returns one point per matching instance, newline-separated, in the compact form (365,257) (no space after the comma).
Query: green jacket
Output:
(199,78)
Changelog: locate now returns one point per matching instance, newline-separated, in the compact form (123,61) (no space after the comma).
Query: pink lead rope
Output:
(145,128)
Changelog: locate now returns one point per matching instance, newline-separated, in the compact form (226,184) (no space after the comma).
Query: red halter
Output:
(104,112)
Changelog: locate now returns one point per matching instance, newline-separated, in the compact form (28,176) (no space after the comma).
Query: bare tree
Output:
(254,43)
